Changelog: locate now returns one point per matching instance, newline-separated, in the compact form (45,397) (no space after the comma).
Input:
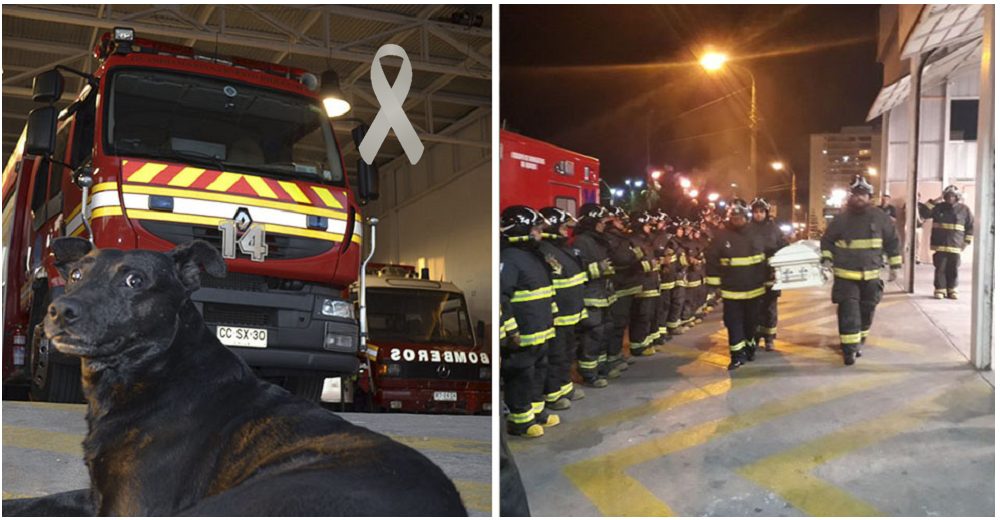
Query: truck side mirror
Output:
(41,132)
(367,173)
(48,87)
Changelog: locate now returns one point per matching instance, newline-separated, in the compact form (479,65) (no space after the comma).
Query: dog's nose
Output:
(65,309)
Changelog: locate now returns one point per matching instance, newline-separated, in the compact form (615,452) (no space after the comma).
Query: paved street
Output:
(42,453)
(908,430)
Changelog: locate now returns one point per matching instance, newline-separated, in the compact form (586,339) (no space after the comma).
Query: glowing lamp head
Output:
(713,61)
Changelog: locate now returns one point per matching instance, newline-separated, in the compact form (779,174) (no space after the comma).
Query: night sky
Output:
(591,78)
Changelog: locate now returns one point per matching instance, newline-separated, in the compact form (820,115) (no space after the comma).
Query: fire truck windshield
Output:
(418,316)
(221,124)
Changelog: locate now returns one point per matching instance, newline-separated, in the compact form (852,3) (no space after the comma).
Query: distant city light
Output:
(693,194)
(712,197)
(777,166)
(872,171)
(618,192)
(628,182)
(798,206)
(656,174)
(733,185)
(713,61)
(786,228)
(824,152)
(638,183)
(685,182)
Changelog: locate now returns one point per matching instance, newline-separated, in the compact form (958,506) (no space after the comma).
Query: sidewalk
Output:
(908,430)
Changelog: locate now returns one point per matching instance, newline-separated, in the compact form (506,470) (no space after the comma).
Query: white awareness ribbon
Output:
(390,114)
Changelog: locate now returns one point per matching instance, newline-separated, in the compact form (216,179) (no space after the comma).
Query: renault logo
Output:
(242,219)
(443,371)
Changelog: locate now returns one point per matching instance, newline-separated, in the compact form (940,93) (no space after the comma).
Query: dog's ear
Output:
(67,250)
(191,258)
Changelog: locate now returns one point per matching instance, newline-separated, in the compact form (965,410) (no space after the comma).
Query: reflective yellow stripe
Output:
(673,324)
(260,187)
(573,281)
(864,334)
(713,280)
(510,325)
(555,307)
(327,197)
(530,340)
(293,191)
(684,260)
(671,259)
(234,199)
(861,243)
(968,239)
(946,249)
(737,347)
(631,291)
(521,418)
(827,254)
(896,260)
(767,330)
(536,294)
(848,274)
(743,295)
(572,319)
(146,172)
(646,266)
(595,270)
(666,286)
(597,302)
(650,293)
(107,211)
(742,261)
(587,365)
(637,251)
(681,283)
(943,225)
(537,407)
(850,339)
(694,283)
(186,177)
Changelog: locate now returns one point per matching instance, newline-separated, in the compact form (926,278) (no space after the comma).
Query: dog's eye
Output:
(75,275)
(133,280)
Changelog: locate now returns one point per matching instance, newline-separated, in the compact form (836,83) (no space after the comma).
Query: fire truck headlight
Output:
(338,309)
(124,34)
(485,372)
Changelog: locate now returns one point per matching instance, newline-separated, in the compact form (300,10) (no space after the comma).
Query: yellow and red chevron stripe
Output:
(171,175)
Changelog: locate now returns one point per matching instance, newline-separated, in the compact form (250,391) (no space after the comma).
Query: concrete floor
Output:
(908,430)
(42,453)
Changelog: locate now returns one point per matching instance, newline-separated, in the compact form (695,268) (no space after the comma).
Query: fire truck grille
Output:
(450,371)
(241,282)
(279,247)
(224,314)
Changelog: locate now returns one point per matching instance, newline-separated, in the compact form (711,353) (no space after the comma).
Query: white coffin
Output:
(798,266)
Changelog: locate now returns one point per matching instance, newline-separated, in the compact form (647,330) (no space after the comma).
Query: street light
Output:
(693,194)
(656,174)
(638,183)
(872,171)
(712,197)
(685,183)
(628,182)
(713,62)
(777,166)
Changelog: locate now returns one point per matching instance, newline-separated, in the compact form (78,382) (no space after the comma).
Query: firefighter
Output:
(663,249)
(568,279)
(627,282)
(951,232)
(853,245)
(679,268)
(640,329)
(526,299)
(588,239)
(764,226)
(735,262)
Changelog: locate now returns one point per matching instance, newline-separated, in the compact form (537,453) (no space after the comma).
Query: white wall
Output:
(440,212)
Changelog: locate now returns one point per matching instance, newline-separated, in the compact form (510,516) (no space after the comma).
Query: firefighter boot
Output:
(939,294)
(576,394)
(533,431)
(952,294)
(768,344)
(559,404)
(600,382)
(615,373)
(551,420)
(737,359)
(849,353)
(750,351)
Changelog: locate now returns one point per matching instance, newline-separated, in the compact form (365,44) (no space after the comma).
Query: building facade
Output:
(834,160)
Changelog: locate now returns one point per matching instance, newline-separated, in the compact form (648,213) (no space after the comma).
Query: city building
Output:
(834,160)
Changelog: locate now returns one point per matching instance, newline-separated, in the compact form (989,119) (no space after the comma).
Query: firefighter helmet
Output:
(593,211)
(617,212)
(553,218)
(761,202)
(739,207)
(952,190)
(517,221)
(859,185)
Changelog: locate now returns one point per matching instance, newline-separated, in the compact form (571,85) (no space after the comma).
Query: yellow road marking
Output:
(36,439)
(7,495)
(604,481)
(445,444)
(475,495)
(789,473)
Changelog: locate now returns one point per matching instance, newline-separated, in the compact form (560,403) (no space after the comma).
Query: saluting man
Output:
(854,244)
(952,231)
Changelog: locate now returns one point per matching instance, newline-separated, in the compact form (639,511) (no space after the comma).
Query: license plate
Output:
(241,336)
(446,396)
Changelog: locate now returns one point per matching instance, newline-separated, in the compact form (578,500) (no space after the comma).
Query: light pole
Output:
(780,166)
(715,61)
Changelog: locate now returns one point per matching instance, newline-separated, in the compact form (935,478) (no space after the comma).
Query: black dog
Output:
(179,425)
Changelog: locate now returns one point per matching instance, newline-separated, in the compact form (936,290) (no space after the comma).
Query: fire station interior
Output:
(431,216)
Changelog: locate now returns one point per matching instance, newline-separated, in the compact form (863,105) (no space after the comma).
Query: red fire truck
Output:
(539,174)
(423,354)
(163,146)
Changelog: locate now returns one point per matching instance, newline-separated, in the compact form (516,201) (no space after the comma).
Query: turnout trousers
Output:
(856,301)
(519,368)
(620,312)
(740,318)
(946,271)
(767,326)
(663,310)
(677,297)
(562,352)
(592,360)
(641,331)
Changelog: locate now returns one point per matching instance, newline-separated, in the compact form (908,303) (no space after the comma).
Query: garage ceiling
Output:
(450,54)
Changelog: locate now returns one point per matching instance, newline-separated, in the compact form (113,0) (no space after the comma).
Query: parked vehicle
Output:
(539,174)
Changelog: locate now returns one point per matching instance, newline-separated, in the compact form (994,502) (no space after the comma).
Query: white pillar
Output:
(984,239)
(912,172)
